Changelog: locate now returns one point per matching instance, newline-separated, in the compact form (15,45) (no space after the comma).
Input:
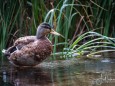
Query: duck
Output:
(31,50)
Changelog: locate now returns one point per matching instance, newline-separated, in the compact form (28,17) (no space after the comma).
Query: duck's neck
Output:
(39,36)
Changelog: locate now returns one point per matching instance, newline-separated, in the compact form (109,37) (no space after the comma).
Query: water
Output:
(61,73)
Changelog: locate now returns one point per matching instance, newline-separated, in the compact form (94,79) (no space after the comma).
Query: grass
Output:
(91,42)
(94,42)
(8,19)
(71,18)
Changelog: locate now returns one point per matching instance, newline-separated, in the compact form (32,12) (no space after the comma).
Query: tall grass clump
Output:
(93,42)
(89,44)
(61,16)
(73,18)
(9,11)
(102,12)
(38,13)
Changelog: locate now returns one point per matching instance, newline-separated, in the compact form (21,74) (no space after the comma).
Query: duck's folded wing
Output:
(18,44)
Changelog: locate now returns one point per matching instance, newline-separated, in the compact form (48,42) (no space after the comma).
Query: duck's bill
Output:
(56,33)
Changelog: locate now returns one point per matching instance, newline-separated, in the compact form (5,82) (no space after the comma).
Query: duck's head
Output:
(44,29)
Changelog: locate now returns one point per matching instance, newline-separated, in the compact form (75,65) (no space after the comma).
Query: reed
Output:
(91,42)
(8,16)
(94,43)
(73,18)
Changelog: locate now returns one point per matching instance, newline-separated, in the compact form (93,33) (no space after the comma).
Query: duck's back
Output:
(25,40)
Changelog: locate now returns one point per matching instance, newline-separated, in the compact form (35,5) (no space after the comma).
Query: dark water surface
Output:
(61,73)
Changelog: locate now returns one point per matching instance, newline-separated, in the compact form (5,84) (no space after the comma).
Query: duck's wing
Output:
(18,44)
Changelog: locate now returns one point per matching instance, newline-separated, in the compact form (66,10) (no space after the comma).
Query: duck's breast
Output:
(43,49)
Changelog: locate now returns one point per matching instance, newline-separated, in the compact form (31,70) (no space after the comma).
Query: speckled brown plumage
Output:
(33,53)
(22,41)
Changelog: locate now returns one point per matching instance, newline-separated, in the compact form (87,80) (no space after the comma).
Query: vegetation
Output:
(78,21)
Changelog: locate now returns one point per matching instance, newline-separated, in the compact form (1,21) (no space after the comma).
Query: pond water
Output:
(61,73)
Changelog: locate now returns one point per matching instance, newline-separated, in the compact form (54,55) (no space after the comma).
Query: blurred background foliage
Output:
(71,18)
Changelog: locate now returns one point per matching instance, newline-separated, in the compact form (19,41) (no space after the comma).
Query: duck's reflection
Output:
(30,77)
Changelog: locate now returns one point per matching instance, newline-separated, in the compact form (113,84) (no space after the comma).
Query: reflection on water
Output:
(61,73)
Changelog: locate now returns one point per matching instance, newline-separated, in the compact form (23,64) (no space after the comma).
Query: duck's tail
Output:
(9,50)
(5,52)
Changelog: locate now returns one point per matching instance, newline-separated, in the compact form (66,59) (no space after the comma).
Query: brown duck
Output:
(31,50)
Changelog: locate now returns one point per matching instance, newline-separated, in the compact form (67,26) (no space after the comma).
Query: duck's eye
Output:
(47,27)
